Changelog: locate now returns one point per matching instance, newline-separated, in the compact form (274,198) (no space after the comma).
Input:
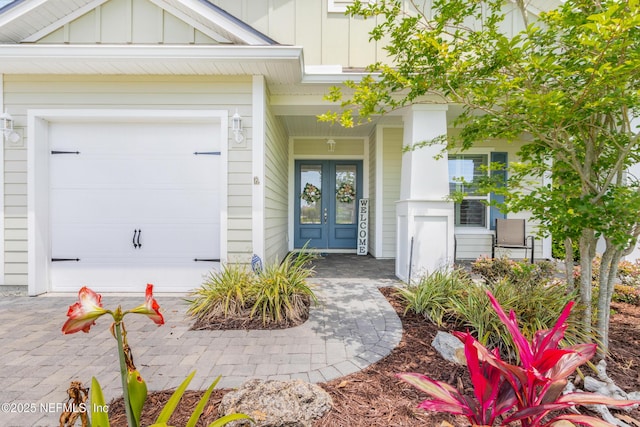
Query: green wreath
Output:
(346,193)
(311,193)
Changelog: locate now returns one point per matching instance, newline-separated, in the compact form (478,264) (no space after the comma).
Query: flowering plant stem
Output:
(123,374)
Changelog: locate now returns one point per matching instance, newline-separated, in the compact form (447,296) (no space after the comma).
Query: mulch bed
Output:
(375,397)
(245,321)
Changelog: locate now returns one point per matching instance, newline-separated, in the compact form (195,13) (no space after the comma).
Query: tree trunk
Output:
(568,263)
(606,280)
(587,253)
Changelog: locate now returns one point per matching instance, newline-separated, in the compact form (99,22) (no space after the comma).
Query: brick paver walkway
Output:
(351,328)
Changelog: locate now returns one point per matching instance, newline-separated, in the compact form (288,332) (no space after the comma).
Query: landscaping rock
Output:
(277,403)
(449,347)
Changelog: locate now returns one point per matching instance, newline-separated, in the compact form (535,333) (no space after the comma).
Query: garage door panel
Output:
(138,206)
(179,171)
(135,138)
(171,242)
(116,277)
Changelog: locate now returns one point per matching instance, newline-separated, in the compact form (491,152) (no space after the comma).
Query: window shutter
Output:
(494,212)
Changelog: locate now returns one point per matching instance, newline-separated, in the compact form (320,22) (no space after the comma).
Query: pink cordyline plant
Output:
(528,391)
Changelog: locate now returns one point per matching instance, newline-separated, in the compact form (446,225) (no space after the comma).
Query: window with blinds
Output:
(465,170)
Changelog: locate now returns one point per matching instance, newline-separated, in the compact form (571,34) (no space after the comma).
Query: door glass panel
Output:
(310,197)
(345,194)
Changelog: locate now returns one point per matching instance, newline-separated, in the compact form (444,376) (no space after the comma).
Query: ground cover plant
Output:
(452,297)
(235,297)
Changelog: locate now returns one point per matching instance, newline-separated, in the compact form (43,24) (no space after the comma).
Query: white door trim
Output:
(2,213)
(39,232)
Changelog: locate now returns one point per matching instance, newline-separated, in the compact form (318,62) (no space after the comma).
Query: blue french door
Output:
(326,203)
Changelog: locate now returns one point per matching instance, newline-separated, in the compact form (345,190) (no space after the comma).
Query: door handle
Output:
(326,216)
(136,239)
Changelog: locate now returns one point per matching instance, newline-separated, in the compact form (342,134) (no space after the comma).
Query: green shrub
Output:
(432,295)
(629,273)
(627,294)
(282,292)
(519,273)
(224,293)
(538,307)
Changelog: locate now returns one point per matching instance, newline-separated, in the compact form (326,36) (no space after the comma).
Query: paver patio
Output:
(352,327)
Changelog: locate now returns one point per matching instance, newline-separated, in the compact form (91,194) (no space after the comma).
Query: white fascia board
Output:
(331,78)
(88,52)
(20,10)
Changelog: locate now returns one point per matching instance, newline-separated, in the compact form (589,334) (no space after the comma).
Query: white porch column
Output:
(423,213)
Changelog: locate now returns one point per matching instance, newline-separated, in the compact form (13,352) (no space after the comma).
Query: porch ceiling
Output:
(309,126)
(301,121)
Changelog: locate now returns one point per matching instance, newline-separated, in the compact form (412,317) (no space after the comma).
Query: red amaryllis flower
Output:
(150,308)
(83,314)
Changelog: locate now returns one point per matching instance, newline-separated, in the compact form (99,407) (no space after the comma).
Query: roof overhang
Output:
(279,64)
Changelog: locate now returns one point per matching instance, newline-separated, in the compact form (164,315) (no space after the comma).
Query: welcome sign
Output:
(363,226)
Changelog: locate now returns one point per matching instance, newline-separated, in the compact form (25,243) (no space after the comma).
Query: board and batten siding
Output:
(23,92)
(329,38)
(391,172)
(276,185)
(127,21)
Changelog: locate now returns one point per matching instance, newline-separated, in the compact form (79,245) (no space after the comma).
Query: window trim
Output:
(486,229)
(340,6)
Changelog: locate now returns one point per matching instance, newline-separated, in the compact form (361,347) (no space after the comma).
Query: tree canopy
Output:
(566,84)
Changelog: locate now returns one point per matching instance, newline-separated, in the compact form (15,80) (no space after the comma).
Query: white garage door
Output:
(134,203)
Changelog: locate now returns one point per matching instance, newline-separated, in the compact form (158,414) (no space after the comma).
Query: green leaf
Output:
(228,418)
(137,394)
(172,403)
(98,418)
(201,404)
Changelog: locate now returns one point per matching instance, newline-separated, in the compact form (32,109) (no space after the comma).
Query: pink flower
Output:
(150,308)
(83,314)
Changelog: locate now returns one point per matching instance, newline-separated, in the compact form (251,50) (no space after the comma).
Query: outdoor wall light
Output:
(236,127)
(332,145)
(7,128)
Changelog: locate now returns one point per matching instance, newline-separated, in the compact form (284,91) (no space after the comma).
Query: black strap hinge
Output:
(64,152)
(64,259)
(207,153)
(206,260)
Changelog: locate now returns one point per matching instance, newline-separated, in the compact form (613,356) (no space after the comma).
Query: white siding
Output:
(138,92)
(329,38)
(473,246)
(392,163)
(276,188)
